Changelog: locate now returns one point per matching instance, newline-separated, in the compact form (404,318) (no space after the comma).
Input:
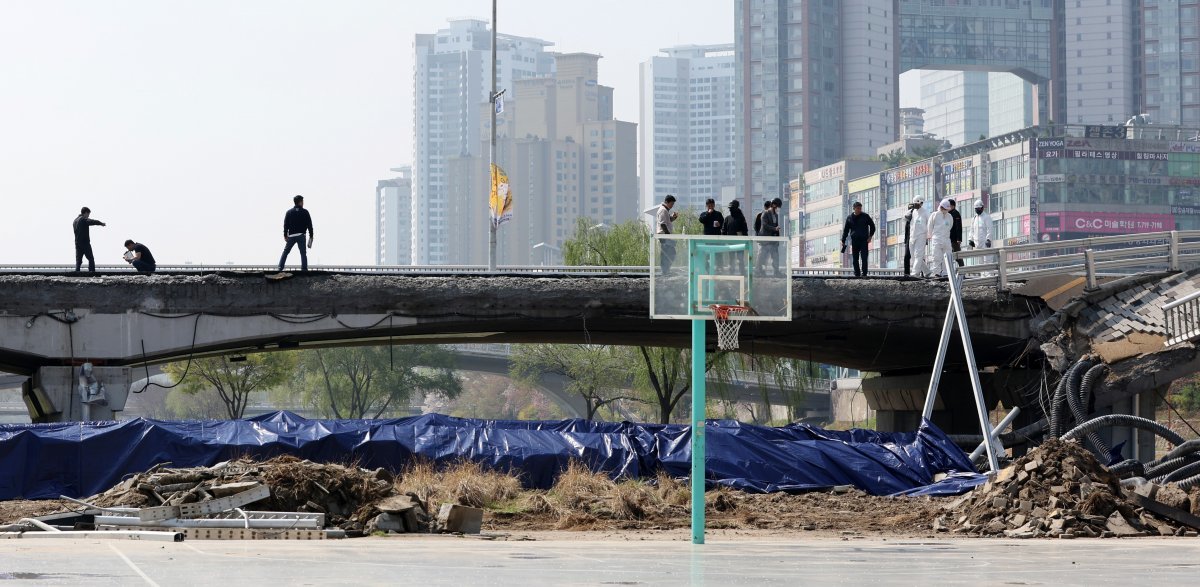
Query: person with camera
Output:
(915,238)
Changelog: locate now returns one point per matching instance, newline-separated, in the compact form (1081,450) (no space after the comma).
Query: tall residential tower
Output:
(687,139)
(452,77)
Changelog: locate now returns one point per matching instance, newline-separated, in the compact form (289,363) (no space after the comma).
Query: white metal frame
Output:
(956,312)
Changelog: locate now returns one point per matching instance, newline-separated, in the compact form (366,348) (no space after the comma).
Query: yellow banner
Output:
(500,200)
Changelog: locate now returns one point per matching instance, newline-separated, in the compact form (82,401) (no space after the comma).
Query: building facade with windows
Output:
(687,137)
(451,79)
(393,218)
(1040,184)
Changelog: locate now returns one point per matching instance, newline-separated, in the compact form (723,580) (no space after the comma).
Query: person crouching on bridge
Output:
(139,256)
(295,223)
(938,233)
(861,229)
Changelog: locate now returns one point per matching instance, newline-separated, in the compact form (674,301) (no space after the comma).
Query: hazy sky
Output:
(189,124)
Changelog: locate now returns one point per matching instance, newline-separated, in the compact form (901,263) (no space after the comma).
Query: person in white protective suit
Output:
(917,219)
(981,229)
(938,233)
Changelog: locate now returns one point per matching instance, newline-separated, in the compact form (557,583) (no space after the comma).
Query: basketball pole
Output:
(698,413)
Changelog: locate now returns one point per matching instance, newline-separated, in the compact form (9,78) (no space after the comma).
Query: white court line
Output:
(132,566)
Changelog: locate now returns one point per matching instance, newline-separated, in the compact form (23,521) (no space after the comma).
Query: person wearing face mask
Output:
(981,228)
(938,233)
(915,222)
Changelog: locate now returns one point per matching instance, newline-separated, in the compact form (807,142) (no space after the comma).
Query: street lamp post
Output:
(492,148)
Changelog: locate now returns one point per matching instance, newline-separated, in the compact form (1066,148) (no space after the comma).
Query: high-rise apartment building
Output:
(955,104)
(818,82)
(565,157)
(1101,44)
(1170,31)
(963,106)
(452,77)
(687,136)
(393,218)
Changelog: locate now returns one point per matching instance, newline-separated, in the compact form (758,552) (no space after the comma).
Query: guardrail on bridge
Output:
(1091,257)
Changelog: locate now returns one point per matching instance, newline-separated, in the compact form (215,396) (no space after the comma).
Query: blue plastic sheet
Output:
(81,459)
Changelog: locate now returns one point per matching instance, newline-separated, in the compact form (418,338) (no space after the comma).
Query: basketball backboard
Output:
(689,273)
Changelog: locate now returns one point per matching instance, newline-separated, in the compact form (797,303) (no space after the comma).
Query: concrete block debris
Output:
(1066,493)
(460,519)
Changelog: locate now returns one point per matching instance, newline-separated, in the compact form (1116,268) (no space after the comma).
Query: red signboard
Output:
(1105,222)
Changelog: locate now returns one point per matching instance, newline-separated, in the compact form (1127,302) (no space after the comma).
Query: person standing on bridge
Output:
(140,257)
(767,224)
(915,239)
(956,230)
(861,229)
(83,238)
(295,223)
(735,225)
(981,228)
(938,234)
(665,224)
(711,219)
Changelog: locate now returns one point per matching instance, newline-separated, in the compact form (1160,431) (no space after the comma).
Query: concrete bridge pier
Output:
(898,399)
(1138,445)
(54,395)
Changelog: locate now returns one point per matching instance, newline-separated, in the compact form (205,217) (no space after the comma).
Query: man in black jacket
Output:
(295,223)
(861,229)
(956,230)
(83,238)
(711,219)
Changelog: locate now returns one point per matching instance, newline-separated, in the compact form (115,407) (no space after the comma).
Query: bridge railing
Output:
(432,270)
(1182,317)
(1089,257)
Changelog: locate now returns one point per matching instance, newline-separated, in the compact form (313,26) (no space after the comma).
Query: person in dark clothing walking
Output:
(295,223)
(956,230)
(861,229)
(711,219)
(140,257)
(83,238)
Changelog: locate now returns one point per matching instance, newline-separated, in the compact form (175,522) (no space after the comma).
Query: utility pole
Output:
(492,149)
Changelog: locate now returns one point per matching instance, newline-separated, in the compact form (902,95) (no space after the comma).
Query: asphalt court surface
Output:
(445,560)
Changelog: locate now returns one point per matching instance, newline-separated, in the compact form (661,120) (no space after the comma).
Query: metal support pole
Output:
(960,311)
(492,147)
(939,362)
(1173,251)
(1089,264)
(698,413)
(998,430)
(1002,269)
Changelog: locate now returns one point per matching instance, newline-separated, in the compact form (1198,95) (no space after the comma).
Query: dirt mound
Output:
(1059,490)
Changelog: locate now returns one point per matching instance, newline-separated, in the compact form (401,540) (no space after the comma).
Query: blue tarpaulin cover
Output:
(81,459)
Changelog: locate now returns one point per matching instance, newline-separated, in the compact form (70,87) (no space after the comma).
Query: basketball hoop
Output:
(729,322)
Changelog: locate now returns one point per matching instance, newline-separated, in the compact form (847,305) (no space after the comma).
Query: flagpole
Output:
(492,149)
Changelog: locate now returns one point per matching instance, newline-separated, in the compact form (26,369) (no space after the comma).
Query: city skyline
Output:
(189,127)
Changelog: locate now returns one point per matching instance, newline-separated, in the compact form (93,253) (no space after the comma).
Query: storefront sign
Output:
(1115,155)
(1104,132)
(1110,222)
(910,172)
(1185,210)
(1188,147)
(1051,178)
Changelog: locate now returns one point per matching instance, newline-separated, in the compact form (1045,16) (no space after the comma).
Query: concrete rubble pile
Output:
(1060,490)
(357,501)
